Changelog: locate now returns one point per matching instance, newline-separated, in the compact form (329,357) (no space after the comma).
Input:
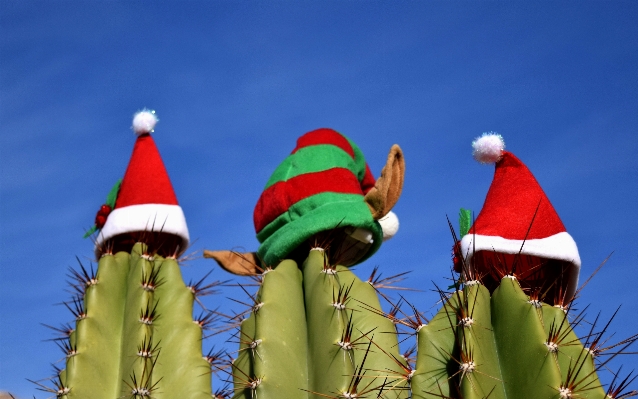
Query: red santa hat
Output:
(517,216)
(146,200)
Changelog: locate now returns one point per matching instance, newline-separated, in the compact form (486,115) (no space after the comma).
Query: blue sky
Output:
(235,83)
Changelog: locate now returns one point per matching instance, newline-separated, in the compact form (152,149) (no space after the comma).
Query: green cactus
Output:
(134,336)
(308,334)
(479,345)
(503,346)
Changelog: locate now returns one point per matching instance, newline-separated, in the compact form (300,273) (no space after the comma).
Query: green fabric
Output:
(312,159)
(110,201)
(465,221)
(359,161)
(112,197)
(320,212)
(312,215)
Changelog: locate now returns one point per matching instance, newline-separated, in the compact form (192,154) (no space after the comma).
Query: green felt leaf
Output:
(110,199)
(465,221)
(92,230)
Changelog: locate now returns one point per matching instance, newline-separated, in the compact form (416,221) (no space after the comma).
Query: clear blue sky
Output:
(234,84)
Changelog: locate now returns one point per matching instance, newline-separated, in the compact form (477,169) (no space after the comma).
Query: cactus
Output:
(134,334)
(307,335)
(503,346)
(319,331)
(314,329)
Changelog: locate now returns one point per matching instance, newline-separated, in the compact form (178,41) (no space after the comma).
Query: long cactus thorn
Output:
(583,285)
(353,387)
(256,305)
(410,355)
(56,371)
(69,349)
(340,298)
(558,333)
(149,314)
(77,308)
(199,289)
(83,279)
(224,392)
(346,342)
(387,283)
(574,382)
(217,360)
(146,349)
(65,331)
(251,344)
(245,382)
(597,346)
(150,281)
(59,389)
(405,372)
(535,298)
(252,383)
(206,320)
(143,388)
(618,390)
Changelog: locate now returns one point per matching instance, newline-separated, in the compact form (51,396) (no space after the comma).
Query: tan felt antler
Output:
(242,264)
(387,189)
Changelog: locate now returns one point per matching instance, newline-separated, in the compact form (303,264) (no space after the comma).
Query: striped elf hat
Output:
(144,201)
(325,183)
(517,216)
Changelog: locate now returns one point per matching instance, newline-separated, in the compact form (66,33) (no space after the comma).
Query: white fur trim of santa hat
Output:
(145,217)
(559,246)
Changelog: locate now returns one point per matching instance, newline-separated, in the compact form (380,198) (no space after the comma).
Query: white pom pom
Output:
(390,225)
(144,122)
(488,148)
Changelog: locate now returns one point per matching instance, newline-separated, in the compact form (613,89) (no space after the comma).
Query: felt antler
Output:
(387,189)
(242,264)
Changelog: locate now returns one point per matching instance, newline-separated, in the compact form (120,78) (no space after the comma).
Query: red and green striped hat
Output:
(320,186)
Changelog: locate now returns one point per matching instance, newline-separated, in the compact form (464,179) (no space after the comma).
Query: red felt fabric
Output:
(511,202)
(277,198)
(324,136)
(368,181)
(146,180)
